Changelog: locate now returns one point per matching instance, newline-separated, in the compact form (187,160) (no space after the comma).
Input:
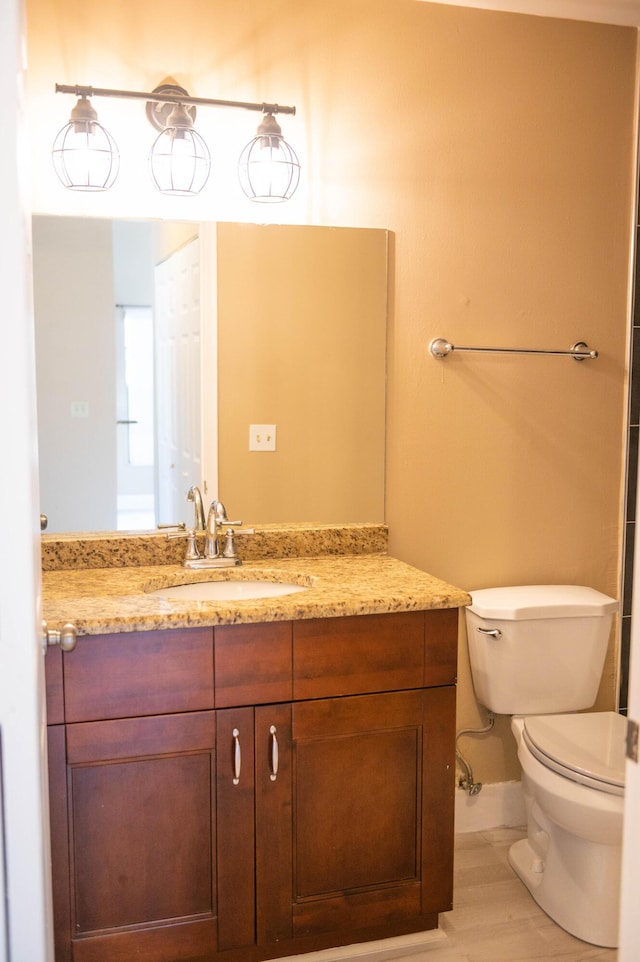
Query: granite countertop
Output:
(106,600)
(115,597)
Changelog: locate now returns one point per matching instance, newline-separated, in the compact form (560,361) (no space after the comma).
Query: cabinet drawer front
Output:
(253,664)
(139,673)
(354,655)
(105,741)
(441,647)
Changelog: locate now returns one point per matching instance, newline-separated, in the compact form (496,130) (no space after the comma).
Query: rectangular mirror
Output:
(159,346)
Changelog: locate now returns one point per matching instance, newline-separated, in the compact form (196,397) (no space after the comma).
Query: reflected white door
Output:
(178,425)
(135,417)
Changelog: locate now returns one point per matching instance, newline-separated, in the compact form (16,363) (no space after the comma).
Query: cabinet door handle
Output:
(274,754)
(237,756)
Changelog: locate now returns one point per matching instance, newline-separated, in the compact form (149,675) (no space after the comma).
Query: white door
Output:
(25,917)
(178,424)
(629,950)
(4,932)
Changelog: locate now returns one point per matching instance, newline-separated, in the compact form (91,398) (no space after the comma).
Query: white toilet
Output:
(536,651)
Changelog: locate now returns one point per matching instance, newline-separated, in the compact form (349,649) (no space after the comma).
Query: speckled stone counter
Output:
(110,549)
(116,599)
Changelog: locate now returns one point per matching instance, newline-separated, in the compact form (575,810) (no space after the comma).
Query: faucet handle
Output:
(229,550)
(192,553)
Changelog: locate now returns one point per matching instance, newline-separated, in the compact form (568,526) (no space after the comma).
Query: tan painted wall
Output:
(499,150)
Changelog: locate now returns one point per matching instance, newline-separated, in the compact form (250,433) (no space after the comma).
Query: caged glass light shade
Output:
(268,169)
(179,159)
(85,155)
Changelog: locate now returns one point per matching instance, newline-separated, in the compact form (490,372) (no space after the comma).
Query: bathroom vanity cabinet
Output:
(252,791)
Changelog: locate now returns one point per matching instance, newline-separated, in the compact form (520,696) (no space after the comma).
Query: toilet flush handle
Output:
(493,632)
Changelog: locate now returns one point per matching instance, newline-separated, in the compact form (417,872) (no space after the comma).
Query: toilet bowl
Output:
(573,786)
(537,654)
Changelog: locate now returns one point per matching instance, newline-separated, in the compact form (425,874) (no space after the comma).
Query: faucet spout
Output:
(220,511)
(195,496)
(211,545)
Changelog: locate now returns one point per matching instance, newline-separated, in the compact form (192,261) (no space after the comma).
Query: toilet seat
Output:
(586,748)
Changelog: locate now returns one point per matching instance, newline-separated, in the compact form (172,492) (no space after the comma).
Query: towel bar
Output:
(580,351)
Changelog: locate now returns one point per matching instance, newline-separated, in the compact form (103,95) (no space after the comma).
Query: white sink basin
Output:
(227,590)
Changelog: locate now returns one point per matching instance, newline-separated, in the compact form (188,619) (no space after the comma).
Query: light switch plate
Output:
(79,409)
(262,437)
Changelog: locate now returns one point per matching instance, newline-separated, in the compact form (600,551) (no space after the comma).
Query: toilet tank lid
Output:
(521,602)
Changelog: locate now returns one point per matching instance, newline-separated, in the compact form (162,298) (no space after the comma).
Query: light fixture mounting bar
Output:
(164,98)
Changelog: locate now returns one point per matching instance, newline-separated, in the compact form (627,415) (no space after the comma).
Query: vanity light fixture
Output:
(85,155)
(179,159)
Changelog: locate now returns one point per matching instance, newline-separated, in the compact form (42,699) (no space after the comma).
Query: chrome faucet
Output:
(216,518)
(211,543)
(213,556)
(195,496)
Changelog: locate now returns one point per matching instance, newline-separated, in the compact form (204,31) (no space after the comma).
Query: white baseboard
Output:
(500,805)
(380,951)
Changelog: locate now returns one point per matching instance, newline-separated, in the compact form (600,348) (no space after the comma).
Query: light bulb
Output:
(85,155)
(268,169)
(179,159)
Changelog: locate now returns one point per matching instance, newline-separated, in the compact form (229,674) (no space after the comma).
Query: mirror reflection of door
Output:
(96,473)
(135,417)
(177,308)
(75,265)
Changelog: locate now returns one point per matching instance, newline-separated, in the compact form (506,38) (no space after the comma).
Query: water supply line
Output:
(466,781)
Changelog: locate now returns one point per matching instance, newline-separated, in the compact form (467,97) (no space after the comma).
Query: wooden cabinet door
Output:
(372,812)
(353,816)
(274,838)
(140,811)
(254,826)
(235,781)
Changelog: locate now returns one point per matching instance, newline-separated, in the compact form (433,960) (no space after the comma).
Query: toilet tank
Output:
(537,649)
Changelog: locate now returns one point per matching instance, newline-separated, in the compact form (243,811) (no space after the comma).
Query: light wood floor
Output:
(494,918)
